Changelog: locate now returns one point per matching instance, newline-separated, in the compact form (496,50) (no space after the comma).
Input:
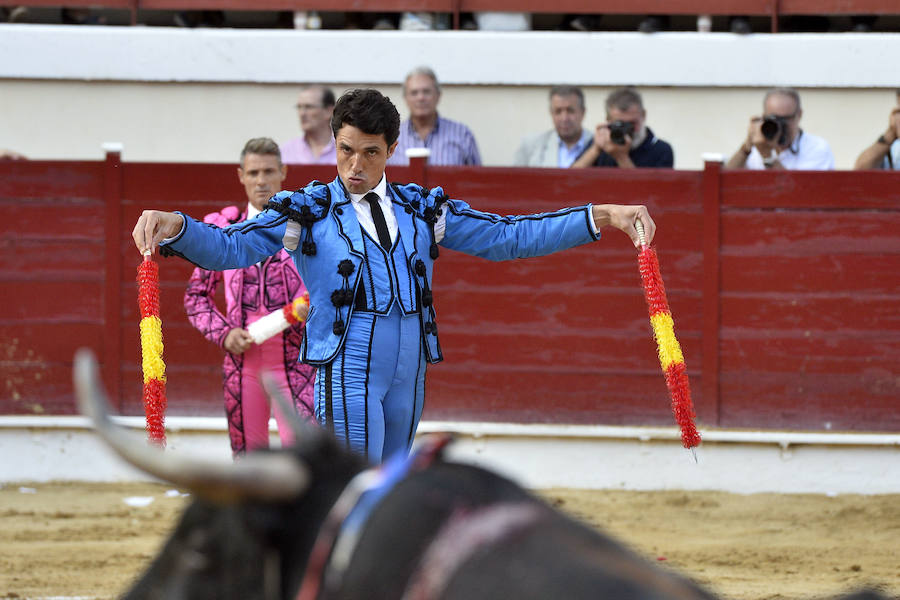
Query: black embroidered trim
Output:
(368,370)
(345,268)
(337,328)
(343,296)
(329,409)
(362,284)
(426,298)
(344,398)
(431,214)
(305,216)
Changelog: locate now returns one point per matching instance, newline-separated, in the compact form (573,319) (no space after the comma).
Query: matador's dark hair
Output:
(368,110)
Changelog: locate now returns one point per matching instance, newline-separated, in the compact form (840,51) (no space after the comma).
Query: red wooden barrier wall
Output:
(784,288)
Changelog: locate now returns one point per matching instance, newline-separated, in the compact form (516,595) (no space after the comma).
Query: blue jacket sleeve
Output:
(494,237)
(233,247)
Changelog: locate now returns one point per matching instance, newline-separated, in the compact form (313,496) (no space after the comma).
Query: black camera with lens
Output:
(775,128)
(618,130)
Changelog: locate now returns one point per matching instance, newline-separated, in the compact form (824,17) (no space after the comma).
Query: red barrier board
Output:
(784,289)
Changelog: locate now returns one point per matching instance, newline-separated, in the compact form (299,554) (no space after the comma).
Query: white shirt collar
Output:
(251,211)
(364,212)
(584,137)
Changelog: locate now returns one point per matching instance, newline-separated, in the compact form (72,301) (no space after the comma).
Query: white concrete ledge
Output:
(478,429)
(684,59)
(538,456)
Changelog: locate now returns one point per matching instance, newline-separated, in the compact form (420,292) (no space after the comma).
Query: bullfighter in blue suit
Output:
(366,250)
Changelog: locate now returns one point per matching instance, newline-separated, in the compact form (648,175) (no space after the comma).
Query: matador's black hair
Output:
(368,110)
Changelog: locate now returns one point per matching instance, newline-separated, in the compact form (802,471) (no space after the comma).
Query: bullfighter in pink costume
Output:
(250,294)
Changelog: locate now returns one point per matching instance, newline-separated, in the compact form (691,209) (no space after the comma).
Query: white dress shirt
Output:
(364,213)
(807,152)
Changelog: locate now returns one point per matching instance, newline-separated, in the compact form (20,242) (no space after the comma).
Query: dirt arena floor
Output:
(84,540)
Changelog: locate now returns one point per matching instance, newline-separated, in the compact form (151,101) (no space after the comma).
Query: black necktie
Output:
(384,237)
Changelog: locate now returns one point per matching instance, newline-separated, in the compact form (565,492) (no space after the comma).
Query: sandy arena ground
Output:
(83,540)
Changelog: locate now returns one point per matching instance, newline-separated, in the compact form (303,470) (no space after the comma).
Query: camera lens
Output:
(770,128)
(618,130)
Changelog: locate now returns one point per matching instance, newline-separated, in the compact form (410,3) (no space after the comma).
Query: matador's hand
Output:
(623,217)
(154,226)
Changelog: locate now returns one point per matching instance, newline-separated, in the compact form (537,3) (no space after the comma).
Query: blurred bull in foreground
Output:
(314,522)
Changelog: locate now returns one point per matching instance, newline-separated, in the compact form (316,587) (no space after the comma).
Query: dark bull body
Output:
(445,531)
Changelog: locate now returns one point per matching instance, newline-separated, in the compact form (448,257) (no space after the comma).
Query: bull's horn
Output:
(302,430)
(257,476)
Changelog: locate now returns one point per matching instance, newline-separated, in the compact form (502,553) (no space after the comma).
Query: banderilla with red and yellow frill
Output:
(152,364)
(154,369)
(671,358)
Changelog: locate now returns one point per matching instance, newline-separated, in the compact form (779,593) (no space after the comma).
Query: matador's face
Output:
(361,158)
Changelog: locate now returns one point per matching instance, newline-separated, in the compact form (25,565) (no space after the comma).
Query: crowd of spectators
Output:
(774,139)
(420,21)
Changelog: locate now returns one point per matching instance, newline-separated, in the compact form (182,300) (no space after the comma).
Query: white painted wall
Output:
(198,95)
(537,456)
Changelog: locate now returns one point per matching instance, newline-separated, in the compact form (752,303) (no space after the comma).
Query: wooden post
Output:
(711,190)
(418,160)
(112,283)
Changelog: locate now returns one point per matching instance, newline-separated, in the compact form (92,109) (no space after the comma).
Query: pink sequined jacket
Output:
(281,284)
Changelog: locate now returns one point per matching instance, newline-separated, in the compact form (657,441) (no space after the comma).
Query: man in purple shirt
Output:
(450,142)
(315,106)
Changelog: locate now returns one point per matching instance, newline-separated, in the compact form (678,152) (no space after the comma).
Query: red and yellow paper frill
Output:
(151,351)
(296,311)
(670,357)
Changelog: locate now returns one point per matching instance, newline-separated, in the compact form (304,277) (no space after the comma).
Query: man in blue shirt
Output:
(450,142)
(366,249)
(624,140)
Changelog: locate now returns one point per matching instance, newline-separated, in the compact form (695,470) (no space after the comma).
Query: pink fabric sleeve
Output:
(199,303)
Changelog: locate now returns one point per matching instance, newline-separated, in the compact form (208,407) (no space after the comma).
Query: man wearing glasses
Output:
(775,140)
(315,105)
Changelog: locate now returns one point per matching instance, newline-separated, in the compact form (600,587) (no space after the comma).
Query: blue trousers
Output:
(371,395)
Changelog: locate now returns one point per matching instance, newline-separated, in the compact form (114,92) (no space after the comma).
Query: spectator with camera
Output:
(560,146)
(885,152)
(624,140)
(776,141)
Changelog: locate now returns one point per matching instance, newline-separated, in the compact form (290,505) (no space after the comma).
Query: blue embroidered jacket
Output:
(331,249)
